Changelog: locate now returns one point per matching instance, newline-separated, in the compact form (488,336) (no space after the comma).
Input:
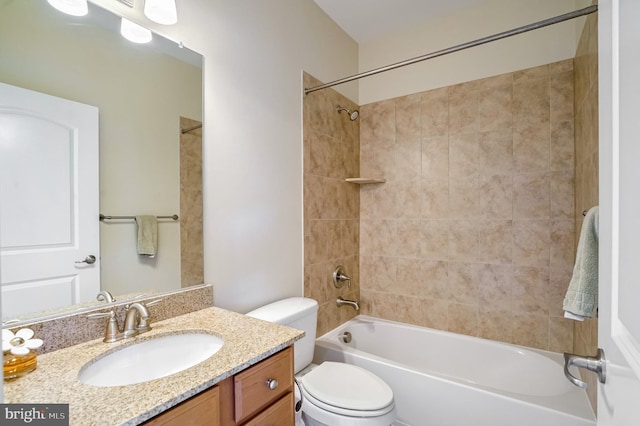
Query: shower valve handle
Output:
(339,277)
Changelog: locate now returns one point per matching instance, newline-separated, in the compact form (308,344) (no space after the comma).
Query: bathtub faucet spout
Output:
(353,303)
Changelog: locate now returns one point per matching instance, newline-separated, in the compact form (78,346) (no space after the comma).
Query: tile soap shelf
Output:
(362,181)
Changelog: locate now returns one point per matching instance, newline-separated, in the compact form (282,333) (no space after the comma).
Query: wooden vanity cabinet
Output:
(245,399)
(252,395)
(202,409)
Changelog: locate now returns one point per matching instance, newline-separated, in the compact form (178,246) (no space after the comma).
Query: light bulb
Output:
(71,7)
(134,32)
(161,11)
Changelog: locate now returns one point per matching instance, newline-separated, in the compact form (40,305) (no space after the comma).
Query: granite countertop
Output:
(246,341)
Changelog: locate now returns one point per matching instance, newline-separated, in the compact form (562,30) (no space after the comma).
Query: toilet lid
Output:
(347,386)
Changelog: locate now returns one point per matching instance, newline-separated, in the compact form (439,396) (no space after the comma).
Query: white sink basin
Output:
(150,359)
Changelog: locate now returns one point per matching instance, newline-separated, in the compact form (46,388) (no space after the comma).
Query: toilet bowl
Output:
(333,393)
(336,393)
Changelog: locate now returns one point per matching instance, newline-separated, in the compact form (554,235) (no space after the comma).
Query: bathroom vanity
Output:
(249,381)
(250,397)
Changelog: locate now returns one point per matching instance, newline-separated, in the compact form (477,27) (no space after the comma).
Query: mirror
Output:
(145,93)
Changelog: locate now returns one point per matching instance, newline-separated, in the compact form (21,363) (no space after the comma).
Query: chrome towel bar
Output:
(104,217)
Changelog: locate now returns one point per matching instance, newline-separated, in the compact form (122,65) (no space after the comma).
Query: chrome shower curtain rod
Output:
(478,42)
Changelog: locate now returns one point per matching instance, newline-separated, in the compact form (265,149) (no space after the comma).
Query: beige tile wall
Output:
(586,122)
(473,232)
(331,205)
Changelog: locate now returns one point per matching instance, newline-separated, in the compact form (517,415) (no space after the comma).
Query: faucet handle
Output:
(153,302)
(146,305)
(112,333)
(101,315)
(339,276)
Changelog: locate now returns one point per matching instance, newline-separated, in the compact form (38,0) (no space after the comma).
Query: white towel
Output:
(147,235)
(581,300)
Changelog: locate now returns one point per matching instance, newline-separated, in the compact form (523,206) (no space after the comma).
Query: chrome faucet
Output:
(353,303)
(106,296)
(137,313)
(136,321)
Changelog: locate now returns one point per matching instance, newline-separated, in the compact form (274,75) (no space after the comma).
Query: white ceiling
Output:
(367,20)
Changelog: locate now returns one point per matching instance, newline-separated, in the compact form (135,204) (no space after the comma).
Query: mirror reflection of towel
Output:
(147,235)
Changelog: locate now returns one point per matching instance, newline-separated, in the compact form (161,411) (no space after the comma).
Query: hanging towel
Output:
(147,235)
(581,300)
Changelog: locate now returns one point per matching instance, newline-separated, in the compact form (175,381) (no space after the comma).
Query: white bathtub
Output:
(446,379)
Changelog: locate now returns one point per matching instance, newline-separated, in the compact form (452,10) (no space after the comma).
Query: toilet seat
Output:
(347,389)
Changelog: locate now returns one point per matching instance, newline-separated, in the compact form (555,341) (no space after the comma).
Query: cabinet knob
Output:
(272,384)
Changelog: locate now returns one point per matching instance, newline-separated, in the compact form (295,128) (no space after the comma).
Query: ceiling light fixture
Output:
(134,32)
(161,11)
(71,7)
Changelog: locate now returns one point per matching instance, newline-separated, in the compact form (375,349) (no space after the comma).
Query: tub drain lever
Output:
(596,364)
(346,337)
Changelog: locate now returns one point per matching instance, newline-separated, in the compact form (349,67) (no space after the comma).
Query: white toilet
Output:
(333,393)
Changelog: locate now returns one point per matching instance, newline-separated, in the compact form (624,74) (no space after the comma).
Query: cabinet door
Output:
(279,414)
(251,387)
(200,410)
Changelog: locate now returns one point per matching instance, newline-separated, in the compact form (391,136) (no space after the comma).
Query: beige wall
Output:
(473,232)
(331,205)
(488,17)
(586,124)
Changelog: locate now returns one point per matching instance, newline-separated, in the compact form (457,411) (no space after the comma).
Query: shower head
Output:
(353,115)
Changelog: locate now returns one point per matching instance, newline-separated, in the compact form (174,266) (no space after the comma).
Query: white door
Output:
(48,202)
(619,298)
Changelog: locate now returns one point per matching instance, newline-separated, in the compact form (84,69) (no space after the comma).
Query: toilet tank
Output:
(295,312)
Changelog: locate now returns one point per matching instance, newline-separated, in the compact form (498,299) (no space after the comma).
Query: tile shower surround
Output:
(586,108)
(331,205)
(474,230)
